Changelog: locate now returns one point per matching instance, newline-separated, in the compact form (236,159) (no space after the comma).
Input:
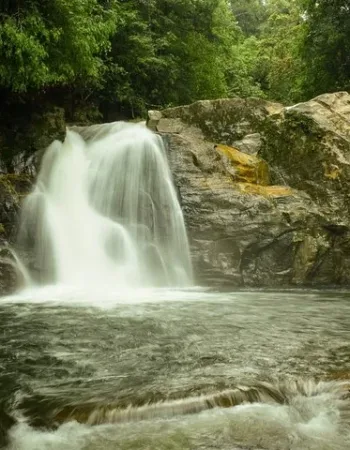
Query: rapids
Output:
(175,369)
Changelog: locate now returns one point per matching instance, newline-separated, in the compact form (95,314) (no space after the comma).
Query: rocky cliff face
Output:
(12,189)
(264,189)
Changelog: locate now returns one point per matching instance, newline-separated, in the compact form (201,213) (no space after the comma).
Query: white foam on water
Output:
(262,426)
(100,297)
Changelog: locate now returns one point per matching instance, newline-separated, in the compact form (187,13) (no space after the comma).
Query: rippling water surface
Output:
(66,353)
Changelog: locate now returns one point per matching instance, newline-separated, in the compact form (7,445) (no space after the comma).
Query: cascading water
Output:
(104,211)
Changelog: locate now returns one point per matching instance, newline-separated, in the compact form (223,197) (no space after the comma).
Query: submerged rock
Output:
(276,213)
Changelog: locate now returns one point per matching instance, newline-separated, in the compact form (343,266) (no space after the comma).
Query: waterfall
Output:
(104,211)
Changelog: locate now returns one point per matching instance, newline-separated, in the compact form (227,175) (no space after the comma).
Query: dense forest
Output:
(107,59)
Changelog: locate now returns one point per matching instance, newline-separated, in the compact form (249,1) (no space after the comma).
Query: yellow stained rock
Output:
(250,174)
(332,172)
(266,191)
(243,167)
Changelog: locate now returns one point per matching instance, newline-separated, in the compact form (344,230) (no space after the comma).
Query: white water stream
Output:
(104,212)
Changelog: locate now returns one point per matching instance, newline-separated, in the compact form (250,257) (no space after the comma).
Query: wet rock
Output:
(9,281)
(13,188)
(287,227)
(26,164)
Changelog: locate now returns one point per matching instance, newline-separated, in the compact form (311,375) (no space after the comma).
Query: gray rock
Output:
(250,144)
(225,121)
(308,145)
(153,119)
(169,126)
(248,237)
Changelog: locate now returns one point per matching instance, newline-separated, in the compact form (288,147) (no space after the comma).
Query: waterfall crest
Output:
(104,211)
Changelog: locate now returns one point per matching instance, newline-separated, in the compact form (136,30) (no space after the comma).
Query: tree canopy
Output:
(47,43)
(133,55)
(326,46)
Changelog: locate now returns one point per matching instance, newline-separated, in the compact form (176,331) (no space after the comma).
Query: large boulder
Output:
(225,120)
(308,145)
(286,225)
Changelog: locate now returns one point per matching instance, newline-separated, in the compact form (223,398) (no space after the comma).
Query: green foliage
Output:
(122,57)
(279,65)
(45,43)
(250,15)
(169,52)
(126,54)
(326,46)
(270,52)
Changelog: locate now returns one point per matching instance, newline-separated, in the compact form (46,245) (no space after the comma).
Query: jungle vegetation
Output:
(104,59)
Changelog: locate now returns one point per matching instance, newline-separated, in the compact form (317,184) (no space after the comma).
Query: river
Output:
(73,360)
